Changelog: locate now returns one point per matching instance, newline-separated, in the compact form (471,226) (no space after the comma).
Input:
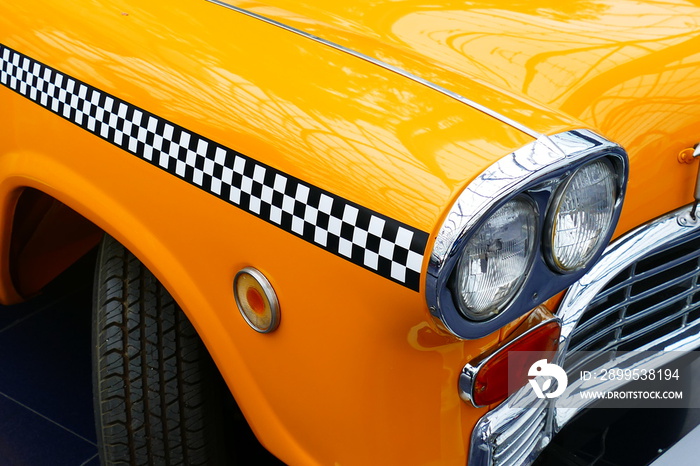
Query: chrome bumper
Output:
(516,436)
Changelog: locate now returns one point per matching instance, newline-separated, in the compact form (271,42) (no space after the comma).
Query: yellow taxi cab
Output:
(358,209)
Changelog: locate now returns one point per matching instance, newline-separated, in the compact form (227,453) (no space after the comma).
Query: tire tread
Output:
(154,393)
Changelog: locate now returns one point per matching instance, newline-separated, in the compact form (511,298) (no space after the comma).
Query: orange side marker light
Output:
(256,300)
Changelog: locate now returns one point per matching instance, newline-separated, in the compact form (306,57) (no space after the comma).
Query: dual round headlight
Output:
(497,257)
(581,216)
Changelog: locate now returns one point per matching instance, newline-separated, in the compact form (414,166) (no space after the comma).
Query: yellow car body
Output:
(358,371)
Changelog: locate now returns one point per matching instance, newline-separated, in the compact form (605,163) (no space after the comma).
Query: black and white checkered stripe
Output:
(385,246)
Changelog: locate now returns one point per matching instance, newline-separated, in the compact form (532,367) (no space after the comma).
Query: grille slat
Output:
(615,286)
(578,361)
(641,289)
(616,301)
(630,342)
(657,315)
(669,257)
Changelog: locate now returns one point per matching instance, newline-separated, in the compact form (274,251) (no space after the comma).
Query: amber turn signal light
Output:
(493,378)
(257,300)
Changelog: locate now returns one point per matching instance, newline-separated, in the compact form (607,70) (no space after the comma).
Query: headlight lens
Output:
(582,216)
(495,260)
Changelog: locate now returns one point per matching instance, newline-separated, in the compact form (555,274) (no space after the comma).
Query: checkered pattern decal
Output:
(366,238)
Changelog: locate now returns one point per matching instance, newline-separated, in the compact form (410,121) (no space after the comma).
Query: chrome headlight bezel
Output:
(537,171)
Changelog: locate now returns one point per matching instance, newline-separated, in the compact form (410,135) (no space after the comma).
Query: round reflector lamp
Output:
(256,299)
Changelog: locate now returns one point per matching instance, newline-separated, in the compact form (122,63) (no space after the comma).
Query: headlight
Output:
(495,260)
(497,255)
(581,216)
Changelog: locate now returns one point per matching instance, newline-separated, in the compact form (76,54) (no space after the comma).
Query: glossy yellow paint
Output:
(364,359)
(354,374)
(628,69)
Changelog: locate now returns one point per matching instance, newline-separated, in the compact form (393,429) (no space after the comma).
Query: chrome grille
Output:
(652,297)
(521,441)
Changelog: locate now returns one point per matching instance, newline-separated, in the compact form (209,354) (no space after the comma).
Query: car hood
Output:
(629,70)
(585,60)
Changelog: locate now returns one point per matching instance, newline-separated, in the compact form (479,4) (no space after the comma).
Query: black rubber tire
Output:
(156,391)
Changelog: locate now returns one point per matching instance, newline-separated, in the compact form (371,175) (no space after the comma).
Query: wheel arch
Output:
(90,211)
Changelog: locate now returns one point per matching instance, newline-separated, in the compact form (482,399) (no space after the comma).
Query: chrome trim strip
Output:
(546,160)
(404,73)
(505,420)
